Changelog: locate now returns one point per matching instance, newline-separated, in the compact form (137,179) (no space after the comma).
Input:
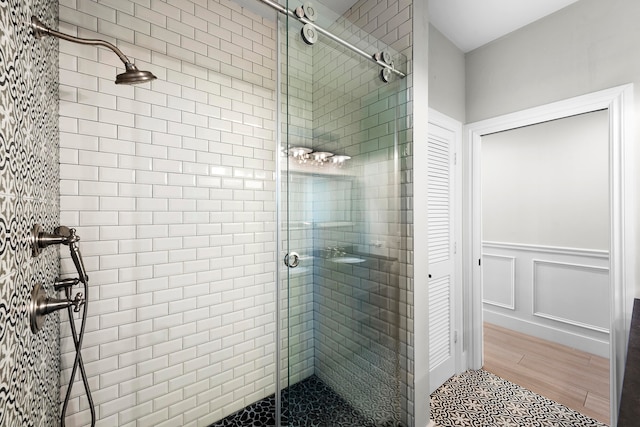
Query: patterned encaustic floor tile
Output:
(479,398)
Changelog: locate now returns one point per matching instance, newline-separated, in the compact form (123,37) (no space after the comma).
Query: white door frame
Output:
(619,102)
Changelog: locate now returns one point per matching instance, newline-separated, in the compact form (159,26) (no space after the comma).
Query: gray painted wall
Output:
(589,46)
(446,76)
(538,181)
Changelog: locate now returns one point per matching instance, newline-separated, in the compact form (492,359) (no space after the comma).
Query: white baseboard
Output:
(581,342)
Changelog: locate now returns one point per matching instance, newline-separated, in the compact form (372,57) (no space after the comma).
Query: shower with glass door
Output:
(246,216)
(344,309)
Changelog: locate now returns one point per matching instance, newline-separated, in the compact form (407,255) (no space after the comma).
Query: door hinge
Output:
(455,337)
(455,248)
(479,261)
(455,158)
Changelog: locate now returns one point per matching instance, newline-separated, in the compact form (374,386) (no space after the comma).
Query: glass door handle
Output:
(292,260)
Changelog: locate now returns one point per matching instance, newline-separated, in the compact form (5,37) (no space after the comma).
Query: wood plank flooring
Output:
(573,378)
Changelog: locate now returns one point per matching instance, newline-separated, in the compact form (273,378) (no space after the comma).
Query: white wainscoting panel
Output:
(557,294)
(572,294)
(499,280)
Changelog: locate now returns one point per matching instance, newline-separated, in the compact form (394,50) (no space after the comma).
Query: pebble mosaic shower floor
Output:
(309,403)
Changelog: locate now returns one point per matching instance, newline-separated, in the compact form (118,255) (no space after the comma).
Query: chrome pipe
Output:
(344,43)
(41,30)
(65,284)
(131,75)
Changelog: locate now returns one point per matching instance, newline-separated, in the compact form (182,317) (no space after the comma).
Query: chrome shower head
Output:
(131,76)
(134,76)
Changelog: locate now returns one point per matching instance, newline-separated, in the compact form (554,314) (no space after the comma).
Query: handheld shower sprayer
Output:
(41,304)
(60,236)
(131,75)
(71,240)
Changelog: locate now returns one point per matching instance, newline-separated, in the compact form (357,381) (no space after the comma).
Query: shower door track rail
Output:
(333,37)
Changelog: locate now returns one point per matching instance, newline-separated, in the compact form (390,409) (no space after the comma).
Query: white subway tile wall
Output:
(172,189)
(370,119)
(390,22)
(359,315)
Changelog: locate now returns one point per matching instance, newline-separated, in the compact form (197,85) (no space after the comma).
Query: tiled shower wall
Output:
(172,188)
(390,22)
(29,364)
(361,310)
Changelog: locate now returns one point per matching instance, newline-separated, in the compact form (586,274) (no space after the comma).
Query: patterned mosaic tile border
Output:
(479,398)
(29,194)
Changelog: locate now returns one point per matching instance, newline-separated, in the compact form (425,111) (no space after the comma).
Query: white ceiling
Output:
(472,23)
(467,23)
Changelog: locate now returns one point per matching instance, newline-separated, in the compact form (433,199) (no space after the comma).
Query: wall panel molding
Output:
(558,294)
(510,278)
(592,253)
(588,275)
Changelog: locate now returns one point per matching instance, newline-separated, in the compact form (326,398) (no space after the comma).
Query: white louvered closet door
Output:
(440,218)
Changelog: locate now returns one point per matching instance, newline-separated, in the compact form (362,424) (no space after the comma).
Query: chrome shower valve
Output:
(41,305)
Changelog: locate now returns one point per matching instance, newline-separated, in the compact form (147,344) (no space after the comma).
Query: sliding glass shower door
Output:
(343,327)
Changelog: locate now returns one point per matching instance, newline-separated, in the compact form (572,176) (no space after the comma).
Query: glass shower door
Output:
(343,306)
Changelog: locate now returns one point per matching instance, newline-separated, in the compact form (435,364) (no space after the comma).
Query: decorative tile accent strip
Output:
(29,177)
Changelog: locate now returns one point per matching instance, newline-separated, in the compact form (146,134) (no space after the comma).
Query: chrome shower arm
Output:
(41,30)
(131,75)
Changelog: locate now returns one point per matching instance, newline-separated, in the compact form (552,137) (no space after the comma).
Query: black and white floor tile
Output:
(479,398)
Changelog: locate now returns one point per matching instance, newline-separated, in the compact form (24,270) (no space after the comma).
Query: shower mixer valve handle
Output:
(41,304)
(77,302)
